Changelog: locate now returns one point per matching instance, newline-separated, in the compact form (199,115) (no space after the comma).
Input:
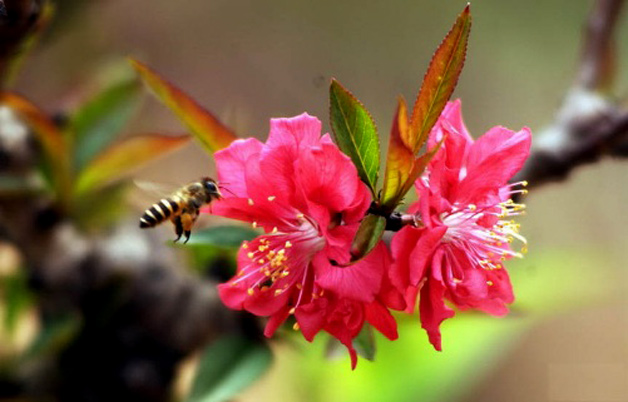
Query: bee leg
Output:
(178,227)
(187,221)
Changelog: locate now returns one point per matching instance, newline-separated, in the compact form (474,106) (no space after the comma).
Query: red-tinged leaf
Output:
(125,155)
(418,167)
(399,161)
(47,134)
(44,128)
(211,133)
(402,168)
(439,81)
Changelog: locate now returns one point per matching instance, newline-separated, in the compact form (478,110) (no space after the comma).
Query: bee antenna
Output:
(227,190)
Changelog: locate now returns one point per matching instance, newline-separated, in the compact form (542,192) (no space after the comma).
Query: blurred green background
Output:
(247,61)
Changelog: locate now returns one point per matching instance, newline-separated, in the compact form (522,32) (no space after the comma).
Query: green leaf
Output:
(127,154)
(57,332)
(101,207)
(205,127)
(228,366)
(17,297)
(368,235)
(355,133)
(439,82)
(364,343)
(11,185)
(97,123)
(222,236)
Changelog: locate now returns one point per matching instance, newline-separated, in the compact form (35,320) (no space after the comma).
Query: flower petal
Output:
(329,178)
(432,308)
(231,165)
(379,317)
(422,252)
(402,244)
(360,281)
(232,297)
(312,317)
(433,311)
(297,132)
(450,121)
(493,160)
(275,321)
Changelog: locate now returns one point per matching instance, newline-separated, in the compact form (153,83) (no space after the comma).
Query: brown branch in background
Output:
(597,66)
(18,18)
(141,313)
(589,124)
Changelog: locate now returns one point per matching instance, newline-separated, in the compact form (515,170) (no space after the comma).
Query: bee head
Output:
(211,186)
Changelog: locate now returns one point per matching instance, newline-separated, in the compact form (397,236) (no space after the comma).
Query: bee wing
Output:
(146,193)
(154,189)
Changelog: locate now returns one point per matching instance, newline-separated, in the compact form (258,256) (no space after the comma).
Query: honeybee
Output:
(182,207)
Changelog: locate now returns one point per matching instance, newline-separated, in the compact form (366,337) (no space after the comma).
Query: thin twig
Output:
(597,65)
(589,124)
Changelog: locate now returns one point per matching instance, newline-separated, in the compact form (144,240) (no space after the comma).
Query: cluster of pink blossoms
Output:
(307,197)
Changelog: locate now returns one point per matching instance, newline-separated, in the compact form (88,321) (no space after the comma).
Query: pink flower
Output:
(307,196)
(465,231)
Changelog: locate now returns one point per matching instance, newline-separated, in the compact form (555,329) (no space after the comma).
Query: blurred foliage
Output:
(228,366)
(98,121)
(212,251)
(83,162)
(212,134)
(17,297)
(222,236)
(21,27)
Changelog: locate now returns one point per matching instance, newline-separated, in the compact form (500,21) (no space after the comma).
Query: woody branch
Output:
(589,124)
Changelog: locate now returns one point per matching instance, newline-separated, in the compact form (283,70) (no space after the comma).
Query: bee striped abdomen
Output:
(158,213)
